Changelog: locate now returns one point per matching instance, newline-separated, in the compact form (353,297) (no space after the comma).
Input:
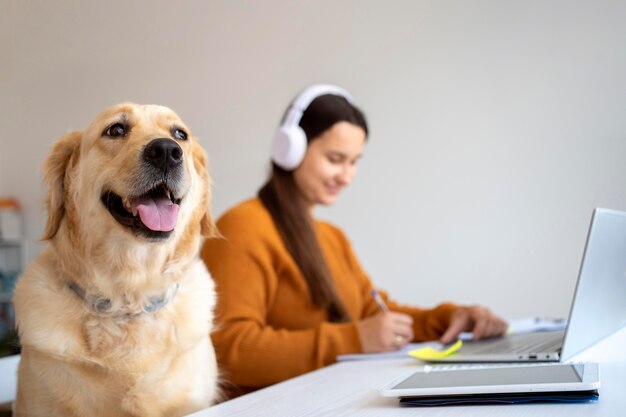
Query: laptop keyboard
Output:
(455,366)
(523,343)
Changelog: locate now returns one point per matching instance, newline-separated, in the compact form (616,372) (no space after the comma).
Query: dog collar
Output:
(99,304)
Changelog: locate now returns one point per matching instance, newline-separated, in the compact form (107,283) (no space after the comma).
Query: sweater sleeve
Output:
(251,351)
(428,323)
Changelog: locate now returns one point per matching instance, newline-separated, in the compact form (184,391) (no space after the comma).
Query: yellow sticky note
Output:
(429,354)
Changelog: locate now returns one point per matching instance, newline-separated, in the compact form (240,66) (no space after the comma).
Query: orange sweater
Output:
(267,328)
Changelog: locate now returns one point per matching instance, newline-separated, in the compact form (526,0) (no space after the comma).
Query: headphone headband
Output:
(290,142)
(309,94)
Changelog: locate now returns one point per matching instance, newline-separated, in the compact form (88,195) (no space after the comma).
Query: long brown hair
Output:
(280,195)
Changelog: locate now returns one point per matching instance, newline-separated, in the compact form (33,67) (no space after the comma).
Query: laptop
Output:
(597,311)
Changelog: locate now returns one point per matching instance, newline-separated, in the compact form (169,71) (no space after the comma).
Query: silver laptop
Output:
(598,309)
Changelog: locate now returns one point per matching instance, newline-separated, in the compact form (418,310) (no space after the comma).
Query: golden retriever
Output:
(114,315)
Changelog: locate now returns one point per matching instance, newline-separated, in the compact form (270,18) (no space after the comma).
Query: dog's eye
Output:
(116,130)
(179,134)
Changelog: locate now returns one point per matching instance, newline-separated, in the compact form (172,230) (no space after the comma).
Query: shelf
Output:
(11,242)
(12,257)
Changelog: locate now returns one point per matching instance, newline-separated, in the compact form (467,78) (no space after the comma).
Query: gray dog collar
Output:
(101,305)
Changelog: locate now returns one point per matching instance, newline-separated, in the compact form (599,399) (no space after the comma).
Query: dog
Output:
(114,315)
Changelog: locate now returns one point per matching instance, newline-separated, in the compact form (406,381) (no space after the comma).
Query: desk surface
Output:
(350,389)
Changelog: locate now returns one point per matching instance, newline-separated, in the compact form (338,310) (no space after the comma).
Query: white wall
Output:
(496,126)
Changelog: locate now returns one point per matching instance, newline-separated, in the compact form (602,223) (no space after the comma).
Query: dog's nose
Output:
(163,153)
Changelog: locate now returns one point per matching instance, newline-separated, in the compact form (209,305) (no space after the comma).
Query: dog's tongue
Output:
(158,214)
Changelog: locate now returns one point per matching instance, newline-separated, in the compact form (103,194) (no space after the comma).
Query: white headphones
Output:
(290,141)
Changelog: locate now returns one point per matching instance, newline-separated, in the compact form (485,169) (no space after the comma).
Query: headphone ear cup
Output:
(289,147)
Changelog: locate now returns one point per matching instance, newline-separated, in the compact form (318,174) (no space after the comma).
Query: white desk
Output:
(350,389)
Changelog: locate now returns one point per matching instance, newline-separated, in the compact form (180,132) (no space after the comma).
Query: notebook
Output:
(597,310)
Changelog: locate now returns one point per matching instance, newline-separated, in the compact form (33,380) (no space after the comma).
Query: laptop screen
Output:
(599,306)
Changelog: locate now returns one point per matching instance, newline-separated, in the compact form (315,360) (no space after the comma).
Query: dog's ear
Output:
(64,153)
(200,162)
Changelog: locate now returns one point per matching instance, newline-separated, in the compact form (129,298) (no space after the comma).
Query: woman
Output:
(291,292)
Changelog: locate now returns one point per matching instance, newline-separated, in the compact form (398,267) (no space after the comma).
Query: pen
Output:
(379,300)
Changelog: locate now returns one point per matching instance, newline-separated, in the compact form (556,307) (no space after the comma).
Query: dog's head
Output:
(136,172)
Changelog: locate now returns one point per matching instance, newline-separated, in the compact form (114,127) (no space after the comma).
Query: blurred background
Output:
(496,126)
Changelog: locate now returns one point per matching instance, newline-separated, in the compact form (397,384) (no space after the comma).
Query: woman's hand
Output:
(385,332)
(478,320)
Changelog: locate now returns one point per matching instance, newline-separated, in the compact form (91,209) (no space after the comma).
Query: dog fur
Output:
(94,340)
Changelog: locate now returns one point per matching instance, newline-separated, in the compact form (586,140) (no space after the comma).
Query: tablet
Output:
(545,377)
